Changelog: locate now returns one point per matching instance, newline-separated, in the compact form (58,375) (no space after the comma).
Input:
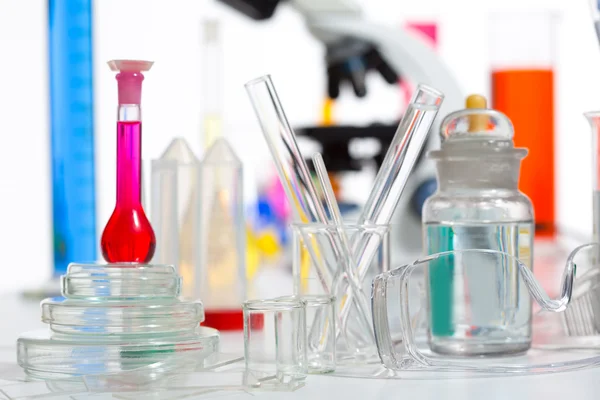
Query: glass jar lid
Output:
(477,132)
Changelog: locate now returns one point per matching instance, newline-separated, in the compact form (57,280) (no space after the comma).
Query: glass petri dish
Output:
(46,355)
(79,317)
(120,282)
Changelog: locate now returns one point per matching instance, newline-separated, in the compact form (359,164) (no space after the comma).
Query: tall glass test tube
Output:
(522,77)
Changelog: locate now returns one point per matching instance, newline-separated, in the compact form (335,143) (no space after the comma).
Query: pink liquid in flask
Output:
(128,236)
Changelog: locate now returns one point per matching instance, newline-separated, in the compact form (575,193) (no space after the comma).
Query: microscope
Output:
(355,47)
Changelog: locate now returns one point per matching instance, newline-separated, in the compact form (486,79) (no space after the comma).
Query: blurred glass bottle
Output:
(522,62)
(212,88)
(222,249)
(175,209)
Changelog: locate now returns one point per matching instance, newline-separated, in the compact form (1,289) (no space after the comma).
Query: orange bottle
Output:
(522,87)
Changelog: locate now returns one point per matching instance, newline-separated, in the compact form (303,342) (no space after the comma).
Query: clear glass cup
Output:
(320,327)
(275,341)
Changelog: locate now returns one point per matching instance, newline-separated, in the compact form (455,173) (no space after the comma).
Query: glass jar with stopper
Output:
(475,308)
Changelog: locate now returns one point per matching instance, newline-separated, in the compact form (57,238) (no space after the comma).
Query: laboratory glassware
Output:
(70,59)
(582,317)
(221,251)
(175,378)
(212,85)
(175,211)
(128,235)
(163,211)
(298,185)
(353,345)
(594,121)
(477,206)
(116,317)
(391,179)
(522,78)
(43,354)
(291,168)
(275,341)
(321,338)
(348,268)
(400,321)
(120,282)
(72,316)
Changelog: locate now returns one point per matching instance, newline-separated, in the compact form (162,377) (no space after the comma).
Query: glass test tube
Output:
(522,85)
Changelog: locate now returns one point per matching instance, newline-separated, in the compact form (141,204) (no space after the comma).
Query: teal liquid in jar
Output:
(477,304)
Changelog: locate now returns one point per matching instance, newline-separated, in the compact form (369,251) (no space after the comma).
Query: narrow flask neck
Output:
(129,163)
(129,112)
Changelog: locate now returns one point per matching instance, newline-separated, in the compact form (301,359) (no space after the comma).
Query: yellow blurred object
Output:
(252,254)
(327,116)
(477,123)
(304,268)
(268,243)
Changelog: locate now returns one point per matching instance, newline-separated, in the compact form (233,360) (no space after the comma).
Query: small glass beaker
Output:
(274,341)
(320,328)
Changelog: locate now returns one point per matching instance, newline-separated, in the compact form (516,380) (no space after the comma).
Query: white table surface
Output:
(18,315)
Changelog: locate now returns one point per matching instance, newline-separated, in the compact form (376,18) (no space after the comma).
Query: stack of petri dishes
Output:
(115,318)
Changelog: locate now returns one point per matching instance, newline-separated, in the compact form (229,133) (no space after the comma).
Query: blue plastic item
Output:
(72,132)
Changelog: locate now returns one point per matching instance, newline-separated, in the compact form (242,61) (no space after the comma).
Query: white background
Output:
(168,32)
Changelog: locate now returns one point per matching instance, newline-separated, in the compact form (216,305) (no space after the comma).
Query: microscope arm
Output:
(331,21)
(414,60)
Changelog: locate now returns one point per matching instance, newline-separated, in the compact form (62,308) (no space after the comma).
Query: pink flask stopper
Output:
(128,236)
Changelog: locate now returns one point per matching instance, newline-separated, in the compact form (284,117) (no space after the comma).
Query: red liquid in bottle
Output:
(128,235)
